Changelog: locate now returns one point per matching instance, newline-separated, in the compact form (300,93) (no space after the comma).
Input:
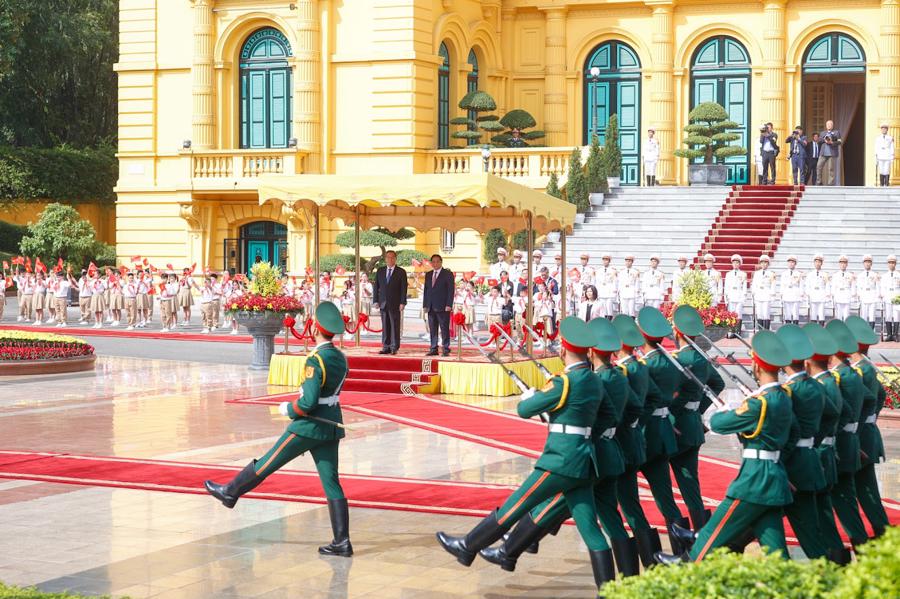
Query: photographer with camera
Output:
(768,141)
(797,154)
(830,152)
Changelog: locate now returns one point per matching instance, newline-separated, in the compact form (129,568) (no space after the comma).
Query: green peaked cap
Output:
(846,341)
(770,349)
(576,332)
(628,331)
(822,341)
(329,318)
(796,341)
(861,330)
(606,338)
(652,323)
(688,321)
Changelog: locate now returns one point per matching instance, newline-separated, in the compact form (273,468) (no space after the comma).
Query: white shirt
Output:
(817,285)
(735,286)
(867,286)
(843,287)
(62,289)
(763,285)
(884,147)
(890,285)
(652,284)
(650,151)
(791,285)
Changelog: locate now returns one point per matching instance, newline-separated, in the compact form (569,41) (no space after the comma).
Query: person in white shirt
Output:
(236,291)
(142,298)
(500,264)
(116,298)
(520,305)
(40,291)
(890,288)
(868,290)
(843,289)
(219,290)
(606,282)
(536,257)
(365,295)
(587,273)
(494,303)
(167,293)
(679,272)
(588,309)
(85,291)
(713,279)
(517,267)
(61,287)
(208,297)
(736,288)
(185,295)
(817,290)
(629,284)
(98,299)
(652,283)
(129,295)
(650,154)
(791,284)
(575,292)
(884,156)
(763,289)
(50,299)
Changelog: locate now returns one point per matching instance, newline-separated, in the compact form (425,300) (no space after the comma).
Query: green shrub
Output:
(9,592)
(553,187)
(10,236)
(495,238)
(576,185)
(61,174)
(709,135)
(876,573)
(596,170)
(405,257)
(611,156)
(330,262)
(60,232)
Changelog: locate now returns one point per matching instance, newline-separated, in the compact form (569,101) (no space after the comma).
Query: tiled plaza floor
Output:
(168,545)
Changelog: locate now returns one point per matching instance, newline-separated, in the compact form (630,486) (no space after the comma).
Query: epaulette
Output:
(858,370)
(624,369)
(787,389)
(837,377)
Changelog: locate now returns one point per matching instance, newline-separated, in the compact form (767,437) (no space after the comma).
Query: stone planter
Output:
(553,237)
(596,199)
(707,175)
(614,182)
(262,326)
(57,366)
(714,333)
(579,218)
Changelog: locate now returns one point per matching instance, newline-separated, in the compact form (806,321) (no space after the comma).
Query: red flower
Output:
(260,303)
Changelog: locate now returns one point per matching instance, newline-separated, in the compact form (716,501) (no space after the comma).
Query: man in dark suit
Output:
(831,151)
(813,150)
(437,303)
(768,141)
(389,293)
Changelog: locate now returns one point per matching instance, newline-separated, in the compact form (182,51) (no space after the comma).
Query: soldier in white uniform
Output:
(763,290)
(606,282)
(500,265)
(817,290)
(650,154)
(536,257)
(884,156)
(652,284)
(516,268)
(713,278)
(629,287)
(682,269)
(588,273)
(868,290)
(791,292)
(736,288)
(843,288)
(890,288)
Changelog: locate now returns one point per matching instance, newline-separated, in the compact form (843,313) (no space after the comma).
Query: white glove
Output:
(283,408)
(528,394)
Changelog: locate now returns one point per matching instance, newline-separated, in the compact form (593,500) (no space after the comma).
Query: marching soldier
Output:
(890,289)
(629,284)
(791,292)
(607,280)
(568,464)
(652,282)
(682,269)
(736,289)
(884,156)
(756,498)
(817,290)
(763,288)
(867,288)
(713,278)
(843,288)
(315,427)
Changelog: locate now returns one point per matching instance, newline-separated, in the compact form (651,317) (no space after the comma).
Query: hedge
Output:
(10,236)
(10,592)
(61,174)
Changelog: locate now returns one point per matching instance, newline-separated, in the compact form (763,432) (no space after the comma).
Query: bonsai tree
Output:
(708,136)
(480,103)
(611,156)
(576,186)
(596,174)
(382,239)
(516,122)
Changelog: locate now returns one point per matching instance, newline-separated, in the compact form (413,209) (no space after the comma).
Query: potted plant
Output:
(576,186)
(611,156)
(262,310)
(597,182)
(709,138)
(516,122)
(695,292)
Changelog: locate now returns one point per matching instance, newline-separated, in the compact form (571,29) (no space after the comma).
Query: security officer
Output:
(890,288)
(871,444)
(763,289)
(689,403)
(867,286)
(804,468)
(843,288)
(817,290)
(736,288)
(568,464)
(884,156)
(324,375)
(791,292)
(756,498)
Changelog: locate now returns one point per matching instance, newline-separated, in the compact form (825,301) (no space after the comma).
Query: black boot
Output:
(857,543)
(840,556)
(888,330)
(648,544)
(519,540)
(739,544)
(699,518)
(896,331)
(602,565)
(245,481)
(668,559)
(487,532)
(626,553)
(681,537)
(653,181)
(339,513)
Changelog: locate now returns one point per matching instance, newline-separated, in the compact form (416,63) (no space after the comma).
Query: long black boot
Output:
(339,513)
(856,543)
(840,556)
(681,537)
(487,532)
(602,565)
(519,539)
(626,554)
(653,181)
(668,559)
(699,518)
(648,543)
(245,481)
(888,330)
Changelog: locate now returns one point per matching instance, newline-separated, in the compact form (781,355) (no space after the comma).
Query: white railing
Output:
(531,166)
(230,168)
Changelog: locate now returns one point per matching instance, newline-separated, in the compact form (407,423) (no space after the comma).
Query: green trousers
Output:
(827,526)
(870,498)
(324,454)
(575,495)
(685,468)
(630,501)
(804,518)
(555,510)
(732,518)
(656,471)
(846,506)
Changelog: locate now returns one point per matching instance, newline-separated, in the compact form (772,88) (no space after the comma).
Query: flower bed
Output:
(716,316)
(25,346)
(260,303)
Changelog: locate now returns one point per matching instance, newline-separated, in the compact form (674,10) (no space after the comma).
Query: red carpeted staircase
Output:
(751,222)
(388,374)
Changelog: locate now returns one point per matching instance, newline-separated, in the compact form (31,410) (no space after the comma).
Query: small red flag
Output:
(135,259)
(146,262)
(309,270)
(467,276)
(5,265)
(480,280)
(170,267)
(123,270)
(340,270)
(193,267)
(492,282)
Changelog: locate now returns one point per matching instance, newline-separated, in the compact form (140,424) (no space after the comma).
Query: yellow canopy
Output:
(423,202)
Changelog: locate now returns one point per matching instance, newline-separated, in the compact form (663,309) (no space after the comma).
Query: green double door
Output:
(734,94)
(622,98)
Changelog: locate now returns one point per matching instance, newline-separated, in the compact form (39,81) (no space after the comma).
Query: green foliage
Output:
(521,120)
(58,174)
(553,187)
(10,236)
(495,238)
(330,262)
(405,257)
(104,254)
(611,156)
(479,102)
(876,573)
(596,172)
(577,186)
(380,238)
(518,119)
(694,290)
(708,134)
(265,279)
(520,240)
(60,233)
(724,574)
(9,592)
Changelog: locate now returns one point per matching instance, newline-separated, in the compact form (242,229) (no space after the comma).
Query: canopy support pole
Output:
(563,305)
(529,310)
(316,260)
(358,271)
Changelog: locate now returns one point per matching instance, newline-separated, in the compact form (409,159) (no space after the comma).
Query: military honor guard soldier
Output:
(868,291)
(652,284)
(736,288)
(843,288)
(890,288)
(629,286)
(682,269)
(713,278)
(324,375)
(650,155)
(791,292)
(762,288)
(817,290)
(606,283)
(884,156)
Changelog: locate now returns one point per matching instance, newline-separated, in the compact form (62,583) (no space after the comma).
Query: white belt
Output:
(870,419)
(329,401)
(661,412)
(692,406)
(826,442)
(568,429)
(635,423)
(608,433)
(761,454)
(850,427)
(808,442)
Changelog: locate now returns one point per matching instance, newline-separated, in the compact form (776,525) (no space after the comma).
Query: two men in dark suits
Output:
(389,293)
(438,303)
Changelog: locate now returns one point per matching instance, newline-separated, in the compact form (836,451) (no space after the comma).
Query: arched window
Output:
(265,90)
(612,85)
(720,72)
(444,98)
(472,85)
(834,53)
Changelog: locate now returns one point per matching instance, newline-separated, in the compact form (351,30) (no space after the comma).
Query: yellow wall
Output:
(101,216)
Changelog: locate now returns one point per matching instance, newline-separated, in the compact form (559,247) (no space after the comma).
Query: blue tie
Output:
(389,275)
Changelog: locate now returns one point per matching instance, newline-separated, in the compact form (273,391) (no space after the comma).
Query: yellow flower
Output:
(269,306)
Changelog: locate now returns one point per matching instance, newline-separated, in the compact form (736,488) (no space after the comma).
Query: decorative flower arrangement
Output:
(265,294)
(21,345)
(892,398)
(717,316)
(896,299)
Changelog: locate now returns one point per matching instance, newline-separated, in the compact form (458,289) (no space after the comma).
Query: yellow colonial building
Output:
(215,93)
